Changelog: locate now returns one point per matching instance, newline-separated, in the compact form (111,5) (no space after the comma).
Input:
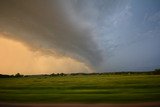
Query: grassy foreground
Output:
(81,89)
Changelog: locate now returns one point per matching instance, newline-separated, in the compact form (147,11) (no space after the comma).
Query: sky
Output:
(69,36)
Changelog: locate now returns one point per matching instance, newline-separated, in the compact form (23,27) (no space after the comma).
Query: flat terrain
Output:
(134,88)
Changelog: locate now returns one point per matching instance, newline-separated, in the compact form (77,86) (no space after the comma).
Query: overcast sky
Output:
(103,35)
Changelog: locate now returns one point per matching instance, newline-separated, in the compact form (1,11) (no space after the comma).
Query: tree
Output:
(156,72)
(18,75)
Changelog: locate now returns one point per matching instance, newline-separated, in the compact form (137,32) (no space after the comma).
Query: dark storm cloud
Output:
(105,34)
(45,25)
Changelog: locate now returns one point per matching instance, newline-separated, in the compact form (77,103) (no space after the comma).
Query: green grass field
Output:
(81,89)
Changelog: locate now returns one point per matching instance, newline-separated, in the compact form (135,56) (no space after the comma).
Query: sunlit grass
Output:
(82,88)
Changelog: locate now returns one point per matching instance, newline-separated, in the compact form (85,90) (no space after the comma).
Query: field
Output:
(81,89)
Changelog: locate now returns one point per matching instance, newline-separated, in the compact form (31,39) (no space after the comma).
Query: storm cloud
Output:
(49,26)
(106,35)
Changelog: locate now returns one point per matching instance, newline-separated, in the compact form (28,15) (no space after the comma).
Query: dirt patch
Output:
(148,104)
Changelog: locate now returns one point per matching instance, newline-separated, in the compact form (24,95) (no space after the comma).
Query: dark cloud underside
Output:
(44,25)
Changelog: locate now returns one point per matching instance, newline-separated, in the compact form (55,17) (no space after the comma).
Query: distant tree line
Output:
(8,76)
(156,72)
(17,75)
